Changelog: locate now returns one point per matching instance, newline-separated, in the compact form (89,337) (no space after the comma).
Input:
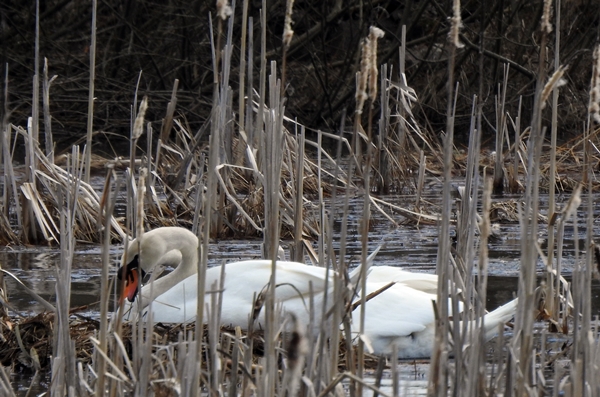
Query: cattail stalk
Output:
(288,34)
(90,118)
(594,105)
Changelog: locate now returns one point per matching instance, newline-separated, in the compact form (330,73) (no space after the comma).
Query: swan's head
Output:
(159,247)
(131,272)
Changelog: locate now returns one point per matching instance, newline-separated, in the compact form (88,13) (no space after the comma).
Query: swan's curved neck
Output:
(178,250)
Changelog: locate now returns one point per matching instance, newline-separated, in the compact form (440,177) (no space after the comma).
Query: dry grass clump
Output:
(507,211)
(26,343)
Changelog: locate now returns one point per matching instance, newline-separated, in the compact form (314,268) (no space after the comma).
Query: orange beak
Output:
(131,286)
(131,274)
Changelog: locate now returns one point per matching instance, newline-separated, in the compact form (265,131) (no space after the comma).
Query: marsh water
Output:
(408,246)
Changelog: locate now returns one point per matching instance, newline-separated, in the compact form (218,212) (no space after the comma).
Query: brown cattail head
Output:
(555,81)
(362,77)
(223,9)
(288,33)
(366,79)
(455,25)
(594,107)
(374,34)
(140,194)
(138,125)
(546,25)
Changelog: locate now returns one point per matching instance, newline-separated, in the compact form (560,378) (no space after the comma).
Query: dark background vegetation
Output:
(169,40)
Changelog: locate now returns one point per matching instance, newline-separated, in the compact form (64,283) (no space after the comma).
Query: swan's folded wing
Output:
(397,311)
(293,279)
(421,281)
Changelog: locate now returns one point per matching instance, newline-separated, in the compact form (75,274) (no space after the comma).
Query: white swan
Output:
(404,315)
(174,296)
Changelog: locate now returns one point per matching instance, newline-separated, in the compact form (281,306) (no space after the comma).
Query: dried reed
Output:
(90,116)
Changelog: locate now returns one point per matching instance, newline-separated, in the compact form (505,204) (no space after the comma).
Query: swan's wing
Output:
(397,311)
(392,273)
(420,281)
(245,279)
(293,278)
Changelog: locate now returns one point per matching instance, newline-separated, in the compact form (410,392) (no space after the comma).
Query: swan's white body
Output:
(173,298)
(403,314)
(242,281)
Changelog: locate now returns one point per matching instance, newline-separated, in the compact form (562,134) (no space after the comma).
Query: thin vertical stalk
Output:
(298,253)
(523,340)
(339,285)
(204,231)
(47,118)
(273,157)
(63,365)
(90,116)
(500,128)
(106,210)
(288,33)
(131,213)
(382,159)
(553,292)
(35,106)
(243,135)
(259,129)
(438,376)
(514,187)
(168,122)
(10,184)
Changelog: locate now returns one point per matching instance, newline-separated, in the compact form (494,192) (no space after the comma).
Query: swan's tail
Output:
(499,316)
(355,274)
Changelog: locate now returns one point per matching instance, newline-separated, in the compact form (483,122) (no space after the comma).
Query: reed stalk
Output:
(522,343)
(10,191)
(500,133)
(286,40)
(249,125)
(47,117)
(130,173)
(382,155)
(168,120)
(104,222)
(64,375)
(514,185)
(242,103)
(298,247)
(438,376)
(260,117)
(90,115)
(5,383)
(552,282)
(466,375)
(341,315)
(35,100)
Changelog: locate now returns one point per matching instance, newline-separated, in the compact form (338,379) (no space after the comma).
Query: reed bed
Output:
(264,177)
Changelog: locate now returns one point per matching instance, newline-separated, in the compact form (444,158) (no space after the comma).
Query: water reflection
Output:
(38,271)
